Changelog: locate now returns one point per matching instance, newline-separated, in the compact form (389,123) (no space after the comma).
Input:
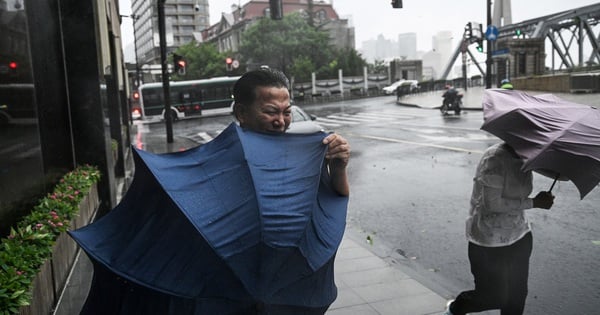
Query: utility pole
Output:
(488,61)
(165,69)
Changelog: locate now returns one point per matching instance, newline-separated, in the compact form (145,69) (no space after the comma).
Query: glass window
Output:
(21,168)
(186,19)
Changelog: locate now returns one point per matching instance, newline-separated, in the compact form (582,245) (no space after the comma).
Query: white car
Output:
(391,89)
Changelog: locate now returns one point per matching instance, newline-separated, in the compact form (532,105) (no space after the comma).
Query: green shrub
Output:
(29,244)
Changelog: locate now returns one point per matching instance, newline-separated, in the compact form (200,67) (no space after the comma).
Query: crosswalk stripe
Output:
(350,118)
(386,115)
(376,117)
(321,119)
(205,136)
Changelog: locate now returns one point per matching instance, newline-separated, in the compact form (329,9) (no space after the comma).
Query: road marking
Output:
(204,136)
(348,117)
(334,121)
(376,117)
(417,143)
(420,126)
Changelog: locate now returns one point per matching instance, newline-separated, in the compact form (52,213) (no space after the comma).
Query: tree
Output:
(378,67)
(348,60)
(202,61)
(302,68)
(278,43)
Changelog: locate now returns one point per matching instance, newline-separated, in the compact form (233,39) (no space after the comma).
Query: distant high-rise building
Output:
(407,45)
(442,44)
(502,13)
(379,49)
(432,65)
(184,20)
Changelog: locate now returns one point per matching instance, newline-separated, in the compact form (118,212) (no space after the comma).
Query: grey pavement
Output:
(369,282)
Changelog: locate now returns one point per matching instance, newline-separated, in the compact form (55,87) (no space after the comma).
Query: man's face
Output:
(271,111)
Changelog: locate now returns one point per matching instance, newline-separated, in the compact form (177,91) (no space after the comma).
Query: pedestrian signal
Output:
(229,63)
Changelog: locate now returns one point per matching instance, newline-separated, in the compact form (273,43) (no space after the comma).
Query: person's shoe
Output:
(447,311)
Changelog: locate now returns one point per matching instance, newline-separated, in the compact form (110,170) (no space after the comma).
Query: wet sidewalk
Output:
(367,285)
(370,285)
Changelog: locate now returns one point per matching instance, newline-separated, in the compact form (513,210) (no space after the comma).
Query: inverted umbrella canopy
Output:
(247,219)
(550,134)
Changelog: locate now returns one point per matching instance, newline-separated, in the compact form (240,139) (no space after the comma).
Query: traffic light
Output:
(397,4)
(480,45)
(276,9)
(12,65)
(518,32)
(469,31)
(179,64)
(229,63)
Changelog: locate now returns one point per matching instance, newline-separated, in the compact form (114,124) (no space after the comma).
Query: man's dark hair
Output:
(244,90)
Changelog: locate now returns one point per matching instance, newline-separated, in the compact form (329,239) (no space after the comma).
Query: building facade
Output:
(522,57)
(184,21)
(407,45)
(227,33)
(62,99)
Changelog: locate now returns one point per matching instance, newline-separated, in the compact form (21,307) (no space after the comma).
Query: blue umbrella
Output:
(243,223)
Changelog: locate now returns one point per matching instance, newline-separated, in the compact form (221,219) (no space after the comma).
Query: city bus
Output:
(188,98)
(17,103)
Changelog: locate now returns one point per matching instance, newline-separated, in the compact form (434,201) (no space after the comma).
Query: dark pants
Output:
(500,275)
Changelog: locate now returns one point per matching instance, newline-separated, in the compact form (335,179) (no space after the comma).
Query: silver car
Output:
(302,122)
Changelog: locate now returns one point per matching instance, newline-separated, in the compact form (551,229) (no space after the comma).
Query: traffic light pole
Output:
(488,61)
(165,69)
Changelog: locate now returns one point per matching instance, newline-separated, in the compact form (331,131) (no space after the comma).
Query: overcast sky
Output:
(371,18)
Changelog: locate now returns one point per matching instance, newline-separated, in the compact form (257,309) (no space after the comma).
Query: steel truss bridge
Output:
(571,34)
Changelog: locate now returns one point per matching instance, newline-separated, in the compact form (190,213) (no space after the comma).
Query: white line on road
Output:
(205,136)
(350,118)
(383,116)
(335,121)
(417,143)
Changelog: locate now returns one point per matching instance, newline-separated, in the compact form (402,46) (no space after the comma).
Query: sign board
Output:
(499,52)
(491,33)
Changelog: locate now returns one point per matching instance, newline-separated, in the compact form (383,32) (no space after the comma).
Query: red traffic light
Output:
(136,95)
(228,60)
(12,65)
(181,63)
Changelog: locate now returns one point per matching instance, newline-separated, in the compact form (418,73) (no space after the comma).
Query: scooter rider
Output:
(505,84)
(449,96)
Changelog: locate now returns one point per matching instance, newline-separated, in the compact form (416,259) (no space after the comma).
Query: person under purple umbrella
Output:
(499,235)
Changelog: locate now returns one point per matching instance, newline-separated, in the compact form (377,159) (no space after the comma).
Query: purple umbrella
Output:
(552,135)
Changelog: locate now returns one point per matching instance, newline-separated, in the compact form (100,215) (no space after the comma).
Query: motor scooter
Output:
(455,105)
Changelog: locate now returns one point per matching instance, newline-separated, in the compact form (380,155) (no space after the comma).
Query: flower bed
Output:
(26,254)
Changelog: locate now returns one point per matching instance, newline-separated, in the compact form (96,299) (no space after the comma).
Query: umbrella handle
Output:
(555,179)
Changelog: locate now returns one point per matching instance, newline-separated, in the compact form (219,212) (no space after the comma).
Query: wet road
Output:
(411,173)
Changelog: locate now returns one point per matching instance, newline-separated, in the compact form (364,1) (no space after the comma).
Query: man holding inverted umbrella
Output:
(246,224)
(545,134)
